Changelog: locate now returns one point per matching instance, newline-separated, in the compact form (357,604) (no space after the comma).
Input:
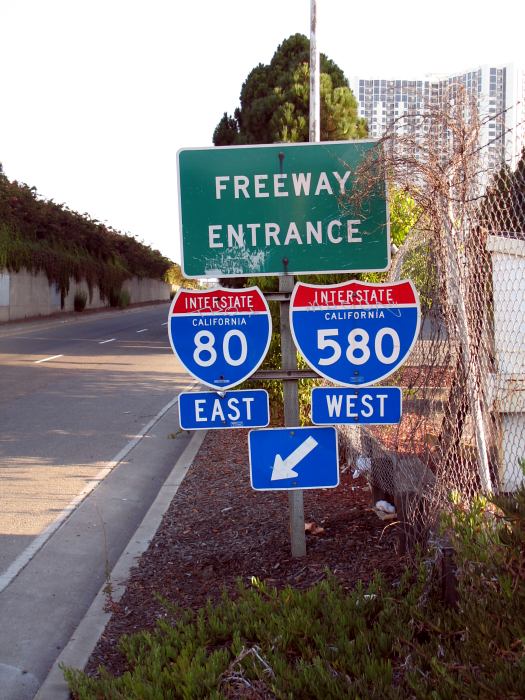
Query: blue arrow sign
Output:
(355,333)
(220,335)
(204,410)
(293,458)
(373,405)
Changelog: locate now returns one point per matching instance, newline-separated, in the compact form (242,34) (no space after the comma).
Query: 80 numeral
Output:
(205,354)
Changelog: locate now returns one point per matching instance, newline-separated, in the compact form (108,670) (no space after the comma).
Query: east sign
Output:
(355,333)
(280,209)
(205,410)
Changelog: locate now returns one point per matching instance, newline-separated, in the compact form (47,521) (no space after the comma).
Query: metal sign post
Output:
(315,78)
(291,416)
(283,210)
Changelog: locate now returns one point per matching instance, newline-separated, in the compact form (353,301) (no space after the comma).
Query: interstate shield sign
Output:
(355,333)
(220,335)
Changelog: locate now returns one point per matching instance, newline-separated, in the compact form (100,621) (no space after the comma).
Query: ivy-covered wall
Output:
(25,294)
(42,236)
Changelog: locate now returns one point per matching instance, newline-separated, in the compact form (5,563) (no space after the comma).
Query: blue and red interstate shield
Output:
(220,335)
(355,333)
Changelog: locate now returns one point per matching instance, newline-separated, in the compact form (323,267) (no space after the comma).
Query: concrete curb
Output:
(78,650)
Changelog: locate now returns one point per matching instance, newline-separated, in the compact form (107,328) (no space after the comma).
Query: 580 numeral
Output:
(357,349)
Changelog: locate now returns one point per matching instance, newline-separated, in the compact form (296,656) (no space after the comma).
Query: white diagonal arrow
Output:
(283,468)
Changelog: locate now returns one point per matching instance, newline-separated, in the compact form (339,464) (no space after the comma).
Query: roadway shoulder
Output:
(78,650)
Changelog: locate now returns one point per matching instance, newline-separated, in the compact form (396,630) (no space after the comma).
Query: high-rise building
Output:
(499,93)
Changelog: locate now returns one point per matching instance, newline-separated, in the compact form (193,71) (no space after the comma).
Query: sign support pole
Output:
(314,131)
(291,415)
(286,284)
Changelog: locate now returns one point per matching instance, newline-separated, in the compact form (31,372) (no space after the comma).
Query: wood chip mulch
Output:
(218,529)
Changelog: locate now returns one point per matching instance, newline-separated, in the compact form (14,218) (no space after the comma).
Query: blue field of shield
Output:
(220,350)
(355,348)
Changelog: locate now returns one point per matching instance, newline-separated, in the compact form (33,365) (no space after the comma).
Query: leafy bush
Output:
(487,630)
(41,235)
(80,300)
(174,276)
(404,215)
(419,265)
(123,299)
(386,641)
(114,297)
(322,643)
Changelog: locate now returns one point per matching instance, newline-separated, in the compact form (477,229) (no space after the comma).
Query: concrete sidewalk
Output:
(53,611)
(77,652)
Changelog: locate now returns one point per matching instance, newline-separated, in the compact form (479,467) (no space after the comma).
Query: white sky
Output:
(97,96)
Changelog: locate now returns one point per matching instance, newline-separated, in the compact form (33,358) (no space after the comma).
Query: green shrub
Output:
(385,641)
(123,298)
(114,297)
(42,235)
(419,265)
(80,300)
(477,650)
(321,643)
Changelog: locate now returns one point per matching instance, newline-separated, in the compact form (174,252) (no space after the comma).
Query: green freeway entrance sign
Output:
(273,210)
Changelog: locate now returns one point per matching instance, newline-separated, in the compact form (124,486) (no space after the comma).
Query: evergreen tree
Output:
(503,208)
(274,101)
(226,132)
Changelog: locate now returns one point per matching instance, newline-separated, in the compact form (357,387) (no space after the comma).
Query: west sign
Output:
(280,209)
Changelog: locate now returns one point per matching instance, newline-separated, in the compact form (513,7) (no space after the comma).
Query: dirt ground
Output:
(218,530)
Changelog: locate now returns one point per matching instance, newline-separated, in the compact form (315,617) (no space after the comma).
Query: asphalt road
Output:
(88,434)
(72,395)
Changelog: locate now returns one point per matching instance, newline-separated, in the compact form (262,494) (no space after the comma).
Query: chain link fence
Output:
(463,427)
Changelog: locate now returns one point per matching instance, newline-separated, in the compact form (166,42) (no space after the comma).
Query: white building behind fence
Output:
(499,92)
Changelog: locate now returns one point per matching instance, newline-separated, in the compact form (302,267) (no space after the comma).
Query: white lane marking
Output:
(164,324)
(144,347)
(46,359)
(29,552)
(103,342)
(142,331)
